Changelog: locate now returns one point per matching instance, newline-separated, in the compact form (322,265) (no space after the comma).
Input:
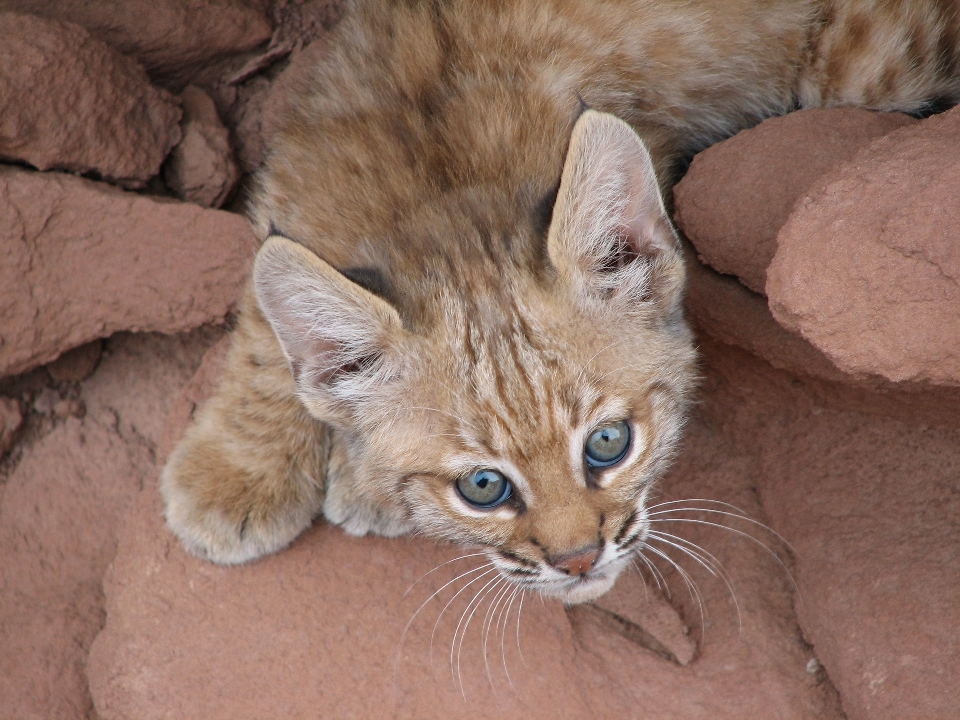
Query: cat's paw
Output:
(232,524)
(359,517)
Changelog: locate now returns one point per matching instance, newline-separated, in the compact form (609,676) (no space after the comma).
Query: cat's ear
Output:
(335,334)
(610,234)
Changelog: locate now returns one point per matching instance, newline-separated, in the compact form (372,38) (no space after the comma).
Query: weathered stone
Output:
(261,104)
(869,504)
(77,364)
(171,38)
(11,420)
(59,516)
(868,266)
(71,102)
(738,193)
(201,168)
(82,260)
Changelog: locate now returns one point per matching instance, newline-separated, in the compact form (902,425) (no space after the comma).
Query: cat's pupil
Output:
(607,445)
(485,488)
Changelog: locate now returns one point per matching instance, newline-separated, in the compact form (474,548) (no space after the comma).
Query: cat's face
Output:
(543,446)
(534,412)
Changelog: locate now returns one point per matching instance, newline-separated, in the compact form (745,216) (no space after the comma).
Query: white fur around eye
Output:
(639,441)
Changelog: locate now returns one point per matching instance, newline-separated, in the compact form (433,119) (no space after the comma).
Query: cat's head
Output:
(535,410)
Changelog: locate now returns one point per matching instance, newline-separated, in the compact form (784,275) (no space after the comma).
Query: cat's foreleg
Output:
(248,476)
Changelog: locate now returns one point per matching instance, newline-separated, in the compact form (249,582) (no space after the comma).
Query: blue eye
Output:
(607,445)
(485,488)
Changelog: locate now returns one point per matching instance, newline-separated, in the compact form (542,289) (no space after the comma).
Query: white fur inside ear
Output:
(325,323)
(609,206)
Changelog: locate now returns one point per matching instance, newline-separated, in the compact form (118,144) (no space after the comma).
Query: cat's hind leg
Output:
(248,476)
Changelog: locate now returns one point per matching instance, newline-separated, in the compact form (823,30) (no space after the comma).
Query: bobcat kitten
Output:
(465,319)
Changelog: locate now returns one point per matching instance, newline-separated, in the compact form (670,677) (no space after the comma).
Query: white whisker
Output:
(406,627)
(657,575)
(457,593)
(475,604)
(739,514)
(743,534)
(519,612)
(691,585)
(486,627)
(517,590)
(444,564)
(713,566)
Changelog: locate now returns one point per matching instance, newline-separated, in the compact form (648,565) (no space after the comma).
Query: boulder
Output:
(201,169)
(867,268)
(82,260)
(738,194)
(170,38)
(868,502)
(58,519)
(71,102)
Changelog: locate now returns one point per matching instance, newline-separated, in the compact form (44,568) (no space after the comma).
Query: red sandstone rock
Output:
(868,266)
(11,419)
(328,627)
(727,311)
(58,523)
(77,364)
(71,102)
(171,38)
(870,506)
(201,168)
(82,260)
(738,193)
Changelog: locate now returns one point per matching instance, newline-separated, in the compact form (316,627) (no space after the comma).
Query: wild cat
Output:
(465,318)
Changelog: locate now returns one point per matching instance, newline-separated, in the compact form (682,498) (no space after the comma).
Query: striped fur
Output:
(467,268)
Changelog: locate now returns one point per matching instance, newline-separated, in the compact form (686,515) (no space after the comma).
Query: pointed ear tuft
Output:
(610,231)
(333,332)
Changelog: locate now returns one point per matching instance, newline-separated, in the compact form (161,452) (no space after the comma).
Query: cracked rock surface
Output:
(82,260)
(71,102)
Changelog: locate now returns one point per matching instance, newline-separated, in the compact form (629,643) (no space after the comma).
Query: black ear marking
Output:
(370,279)
(274,230)
(543,211)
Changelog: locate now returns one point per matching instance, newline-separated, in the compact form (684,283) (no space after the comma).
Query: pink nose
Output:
(577,563)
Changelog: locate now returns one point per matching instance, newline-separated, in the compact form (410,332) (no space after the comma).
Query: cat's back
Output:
(433,134)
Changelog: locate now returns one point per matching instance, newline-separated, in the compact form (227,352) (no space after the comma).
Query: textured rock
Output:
(871,508)
(82,260)
(201,168)
(77,364)
(727,311)
(171,38)
(11,420)
(869,504)
(71,102)
(738,193)
(868,266)
(58,520)
(332,626)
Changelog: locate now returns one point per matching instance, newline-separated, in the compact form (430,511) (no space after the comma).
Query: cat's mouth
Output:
(588,586)
(573,590)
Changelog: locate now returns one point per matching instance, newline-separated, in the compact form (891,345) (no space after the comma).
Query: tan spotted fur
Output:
(467,263)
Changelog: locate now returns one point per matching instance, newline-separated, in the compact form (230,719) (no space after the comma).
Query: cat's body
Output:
(499,281)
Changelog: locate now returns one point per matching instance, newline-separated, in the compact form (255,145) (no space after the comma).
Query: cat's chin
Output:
(585,589)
